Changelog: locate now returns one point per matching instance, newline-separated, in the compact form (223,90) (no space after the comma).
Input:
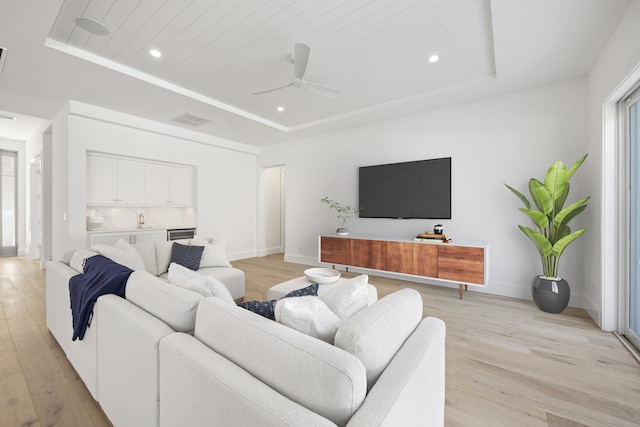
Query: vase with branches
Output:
(344,212)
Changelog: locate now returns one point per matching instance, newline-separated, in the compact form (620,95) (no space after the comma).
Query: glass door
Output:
(8,203)
(632,297)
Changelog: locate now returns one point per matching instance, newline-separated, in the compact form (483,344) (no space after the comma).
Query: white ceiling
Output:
(217,53)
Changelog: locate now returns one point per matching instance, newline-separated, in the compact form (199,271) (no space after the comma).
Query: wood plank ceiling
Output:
(376,52)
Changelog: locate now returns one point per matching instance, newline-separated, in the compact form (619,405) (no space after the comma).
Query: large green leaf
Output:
(575,166)
(542,243)
(538,218)
(555,180)
(567,214)
(560,199)
(521,196)
(562,244)
(541,197)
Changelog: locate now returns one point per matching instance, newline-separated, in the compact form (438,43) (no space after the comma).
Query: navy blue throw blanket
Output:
(101,276)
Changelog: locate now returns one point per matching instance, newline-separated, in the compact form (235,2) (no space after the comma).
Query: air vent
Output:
(190,120)
(3,55)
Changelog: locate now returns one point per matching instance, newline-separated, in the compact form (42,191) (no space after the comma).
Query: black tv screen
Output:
(419,189)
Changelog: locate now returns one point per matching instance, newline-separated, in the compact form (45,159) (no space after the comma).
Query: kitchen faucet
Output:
(140,220)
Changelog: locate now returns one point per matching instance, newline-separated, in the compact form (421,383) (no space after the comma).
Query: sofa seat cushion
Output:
(318,376)
(375,334)
(173,305)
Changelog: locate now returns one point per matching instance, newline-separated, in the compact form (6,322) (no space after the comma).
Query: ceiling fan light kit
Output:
(300,61)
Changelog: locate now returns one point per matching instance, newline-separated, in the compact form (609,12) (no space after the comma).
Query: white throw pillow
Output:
(214,254)
(206,286)
(78,257)
(308,315)
(348,298)
(178,274)
(122,253)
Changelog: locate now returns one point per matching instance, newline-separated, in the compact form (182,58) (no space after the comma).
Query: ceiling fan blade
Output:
(273,89)
(300,59)
(321,90)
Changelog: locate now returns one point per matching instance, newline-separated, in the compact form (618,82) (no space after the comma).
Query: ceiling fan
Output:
(300,60)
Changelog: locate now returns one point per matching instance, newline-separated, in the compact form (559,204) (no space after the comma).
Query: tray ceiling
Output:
(220,52)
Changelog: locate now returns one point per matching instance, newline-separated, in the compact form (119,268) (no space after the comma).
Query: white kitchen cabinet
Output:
(112,180)
(168,185)
(180,185)
(107,238)
(102,180)
(141,236)
(149,236)
(115,181)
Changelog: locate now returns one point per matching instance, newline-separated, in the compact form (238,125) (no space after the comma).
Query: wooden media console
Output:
(462,263)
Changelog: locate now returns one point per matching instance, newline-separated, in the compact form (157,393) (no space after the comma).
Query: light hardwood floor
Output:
(508,364)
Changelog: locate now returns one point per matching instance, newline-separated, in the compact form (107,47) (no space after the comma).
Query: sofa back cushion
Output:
(173,305)
(308,371)
(147,252)
(375,334)
(163,256)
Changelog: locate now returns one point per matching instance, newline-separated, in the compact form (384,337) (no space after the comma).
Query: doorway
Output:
(273,184)
(35,241)
(9,203)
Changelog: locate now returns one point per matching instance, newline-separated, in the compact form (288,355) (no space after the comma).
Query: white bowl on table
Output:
(322,276)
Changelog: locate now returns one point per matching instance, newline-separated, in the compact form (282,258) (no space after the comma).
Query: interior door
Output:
(8,203)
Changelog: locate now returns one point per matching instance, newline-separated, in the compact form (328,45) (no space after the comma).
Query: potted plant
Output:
(344,213)
(551,233)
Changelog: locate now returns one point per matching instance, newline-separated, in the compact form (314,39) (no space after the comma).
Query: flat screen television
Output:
(418,189)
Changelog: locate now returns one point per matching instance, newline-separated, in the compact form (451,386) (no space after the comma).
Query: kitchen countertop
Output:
(135,229)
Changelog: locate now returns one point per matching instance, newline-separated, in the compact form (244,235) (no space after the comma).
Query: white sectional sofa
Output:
(167,356)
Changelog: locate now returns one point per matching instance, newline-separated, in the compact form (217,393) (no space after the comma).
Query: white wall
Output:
(226,172)
(614,74)
(506,139)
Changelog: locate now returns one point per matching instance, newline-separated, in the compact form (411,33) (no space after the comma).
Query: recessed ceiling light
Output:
(155,53)
(434,58)
(92,25)
(280,109)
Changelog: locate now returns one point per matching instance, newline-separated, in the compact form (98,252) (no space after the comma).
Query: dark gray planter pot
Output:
(550,295)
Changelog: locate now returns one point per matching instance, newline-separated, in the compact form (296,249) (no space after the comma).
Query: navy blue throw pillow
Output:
(267,308)
(263,308)
(187,256)
(312,290)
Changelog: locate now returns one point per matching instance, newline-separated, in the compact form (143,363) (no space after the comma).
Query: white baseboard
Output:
(300,259)
(507,289)
(270,251)
(242,255)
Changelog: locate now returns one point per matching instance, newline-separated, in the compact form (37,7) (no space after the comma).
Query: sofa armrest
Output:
(128,362)
(81,353)
(199,387)
(410,391)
